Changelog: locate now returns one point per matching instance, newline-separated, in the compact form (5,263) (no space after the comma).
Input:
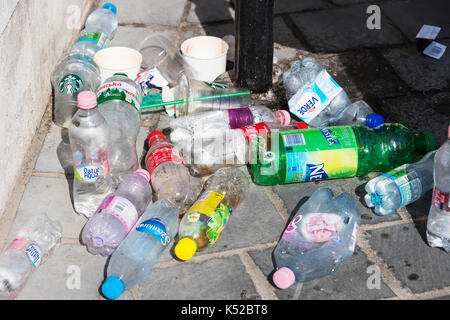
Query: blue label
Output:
(315,172)
(328,134)
(156,228)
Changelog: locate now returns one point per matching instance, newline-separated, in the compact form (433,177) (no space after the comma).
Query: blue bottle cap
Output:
(110,7)
(374,120)
(112,288)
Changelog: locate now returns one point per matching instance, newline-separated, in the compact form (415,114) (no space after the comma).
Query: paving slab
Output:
(340,29)
(204,11)
(350,2)
(403,248)
(215,279)
(287,6)
(420,72)
(167,12)
(410,16)
(132,37)
(349,282)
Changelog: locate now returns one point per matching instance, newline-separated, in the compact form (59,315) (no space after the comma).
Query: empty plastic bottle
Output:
(89,141)
(314,96)
(319,239)
(169,177)
(33,244)
(334,152)
(78,72)
(140,250)
(357,113)
(438,224)
(117,214)
(119,100)
(401,186)
(203,223)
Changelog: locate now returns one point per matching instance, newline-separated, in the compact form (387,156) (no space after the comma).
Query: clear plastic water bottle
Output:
(401,186)
(78,72)
(33,244)
(358,113)
(89,141)
(438,225)
(320,237)
(169,177)
(117,214)
(119,100)
(140,250)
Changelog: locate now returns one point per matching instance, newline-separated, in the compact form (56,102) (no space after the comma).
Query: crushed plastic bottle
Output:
(403,185)
(204,222)
(438,224)
(140,250)
(78,72)
(117,214)
(318,240)
(89,141)
(119,100)
(334,152)
(33,244)
(357,113)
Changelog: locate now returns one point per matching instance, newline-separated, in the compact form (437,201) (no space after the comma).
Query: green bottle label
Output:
(98,38)
(319,154)
(118,90)
(217,223)
(70,84)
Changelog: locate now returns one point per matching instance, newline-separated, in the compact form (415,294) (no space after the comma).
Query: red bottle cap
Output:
(155,137)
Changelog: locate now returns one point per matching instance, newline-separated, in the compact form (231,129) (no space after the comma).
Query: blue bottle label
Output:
(155,228)
(408,183)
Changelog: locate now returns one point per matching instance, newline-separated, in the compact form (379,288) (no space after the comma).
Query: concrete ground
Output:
(392,259)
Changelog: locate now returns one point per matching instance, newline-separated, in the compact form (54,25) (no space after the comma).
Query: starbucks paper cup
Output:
(206,56)
(118,60)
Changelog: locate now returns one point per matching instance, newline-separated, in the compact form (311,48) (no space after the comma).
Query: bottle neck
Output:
(156,140)
(424,142)
(239,118)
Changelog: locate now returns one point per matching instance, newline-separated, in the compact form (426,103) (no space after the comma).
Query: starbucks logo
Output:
(70,84)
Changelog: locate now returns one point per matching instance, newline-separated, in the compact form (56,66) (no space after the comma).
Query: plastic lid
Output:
(110,7)
(283,278)
(155,136)
(144,173)
(283,117)
(185,249)
(87,100)
(112,288)
(302,125)
(374,120)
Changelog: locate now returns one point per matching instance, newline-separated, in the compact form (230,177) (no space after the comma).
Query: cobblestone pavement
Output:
(379,66)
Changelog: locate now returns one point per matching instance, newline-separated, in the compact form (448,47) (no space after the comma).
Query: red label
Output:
(441,199)
(251,131)
(161,155)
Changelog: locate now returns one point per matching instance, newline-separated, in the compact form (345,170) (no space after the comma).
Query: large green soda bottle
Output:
(333,152)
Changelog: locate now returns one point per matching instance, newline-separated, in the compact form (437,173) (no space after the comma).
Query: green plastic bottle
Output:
(333,152)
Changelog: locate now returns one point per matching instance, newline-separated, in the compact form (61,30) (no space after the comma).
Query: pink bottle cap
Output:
(283,278)
(283,117)
(87,100)
(144,173)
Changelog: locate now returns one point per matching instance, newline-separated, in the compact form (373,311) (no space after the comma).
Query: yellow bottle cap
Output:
(185,249)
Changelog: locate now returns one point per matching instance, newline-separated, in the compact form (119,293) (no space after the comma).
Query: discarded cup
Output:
(118,60)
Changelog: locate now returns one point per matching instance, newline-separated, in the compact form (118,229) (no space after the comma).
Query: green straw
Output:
(217,96)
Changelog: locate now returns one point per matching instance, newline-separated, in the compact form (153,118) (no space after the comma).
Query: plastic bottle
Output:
(89,141)
(140,250)
(314,96)
(33,244)
(334,152)
(321,237)
(78,72)
(208,151)
(438,224)
(169,177)
(357,113)
(117,214)
(401,186)
(119,100)
(203,223)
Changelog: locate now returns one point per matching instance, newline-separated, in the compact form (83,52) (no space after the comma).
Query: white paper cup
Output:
(206,56)
(118,60)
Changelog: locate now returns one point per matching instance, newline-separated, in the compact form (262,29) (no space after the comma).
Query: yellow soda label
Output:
(206,204)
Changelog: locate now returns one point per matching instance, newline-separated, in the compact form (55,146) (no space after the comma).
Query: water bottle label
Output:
(251,131)
(161,155)
(315,227)
(308,103)
(319,154)
(121,208)
(117,90)
(441,200)
(87,173)
(33,251)
(408,183)
(155,228)
(97,167)
(70,84)
(100,39)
